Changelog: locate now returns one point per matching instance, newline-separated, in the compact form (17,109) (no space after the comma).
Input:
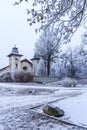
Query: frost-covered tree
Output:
(47,47)
(74,62)
(71,66)
(61,65)
(82,57)
(65,15)
(84,38)
(66,65)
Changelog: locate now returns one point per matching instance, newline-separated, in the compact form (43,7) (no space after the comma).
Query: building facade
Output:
(16,64)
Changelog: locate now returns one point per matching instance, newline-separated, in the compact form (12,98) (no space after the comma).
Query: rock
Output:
(53,111)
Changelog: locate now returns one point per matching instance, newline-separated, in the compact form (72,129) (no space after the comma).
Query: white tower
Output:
(35,62)
(14,59)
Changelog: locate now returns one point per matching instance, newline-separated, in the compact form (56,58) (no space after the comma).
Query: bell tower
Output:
(35,61)
(14,59)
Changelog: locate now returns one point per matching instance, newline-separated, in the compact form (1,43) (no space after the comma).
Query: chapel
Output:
(18,64)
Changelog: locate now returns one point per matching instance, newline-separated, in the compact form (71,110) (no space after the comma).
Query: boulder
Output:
(53,111)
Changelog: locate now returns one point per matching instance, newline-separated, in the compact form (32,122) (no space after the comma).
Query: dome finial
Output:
(15,50)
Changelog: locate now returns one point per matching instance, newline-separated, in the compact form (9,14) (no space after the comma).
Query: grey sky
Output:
(14,30)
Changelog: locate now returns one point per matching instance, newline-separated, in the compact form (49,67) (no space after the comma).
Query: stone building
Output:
(16,64)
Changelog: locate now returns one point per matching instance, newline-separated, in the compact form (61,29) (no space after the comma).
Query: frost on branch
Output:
(65,15)
(18,2)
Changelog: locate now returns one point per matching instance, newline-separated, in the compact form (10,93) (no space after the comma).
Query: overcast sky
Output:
(14,30)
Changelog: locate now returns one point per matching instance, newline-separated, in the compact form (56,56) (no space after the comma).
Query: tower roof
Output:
(36,57)
(14,52)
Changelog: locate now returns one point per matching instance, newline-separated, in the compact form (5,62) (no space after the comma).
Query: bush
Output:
(21,76)
(6,77)
(69,82)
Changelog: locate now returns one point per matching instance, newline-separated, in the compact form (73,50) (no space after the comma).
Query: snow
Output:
(15,103)
(75,108)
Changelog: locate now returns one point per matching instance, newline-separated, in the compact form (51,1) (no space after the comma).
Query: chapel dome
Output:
(15,50)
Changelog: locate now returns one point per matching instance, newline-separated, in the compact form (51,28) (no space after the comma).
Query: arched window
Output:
(25,68)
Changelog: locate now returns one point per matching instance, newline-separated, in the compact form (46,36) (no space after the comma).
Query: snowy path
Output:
(15,101)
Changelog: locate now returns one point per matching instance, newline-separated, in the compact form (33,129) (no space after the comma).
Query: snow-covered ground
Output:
(16,99)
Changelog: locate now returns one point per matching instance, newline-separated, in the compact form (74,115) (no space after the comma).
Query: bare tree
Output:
(47,47)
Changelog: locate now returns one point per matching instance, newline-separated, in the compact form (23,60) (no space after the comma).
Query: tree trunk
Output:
(48,66)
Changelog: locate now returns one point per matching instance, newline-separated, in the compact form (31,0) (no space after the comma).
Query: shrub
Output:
(69,82)
(6,77)
(22,76)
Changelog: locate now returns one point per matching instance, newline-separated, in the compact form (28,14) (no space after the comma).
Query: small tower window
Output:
(16,59)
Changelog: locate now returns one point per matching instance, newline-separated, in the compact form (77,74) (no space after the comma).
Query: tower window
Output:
(16,59)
